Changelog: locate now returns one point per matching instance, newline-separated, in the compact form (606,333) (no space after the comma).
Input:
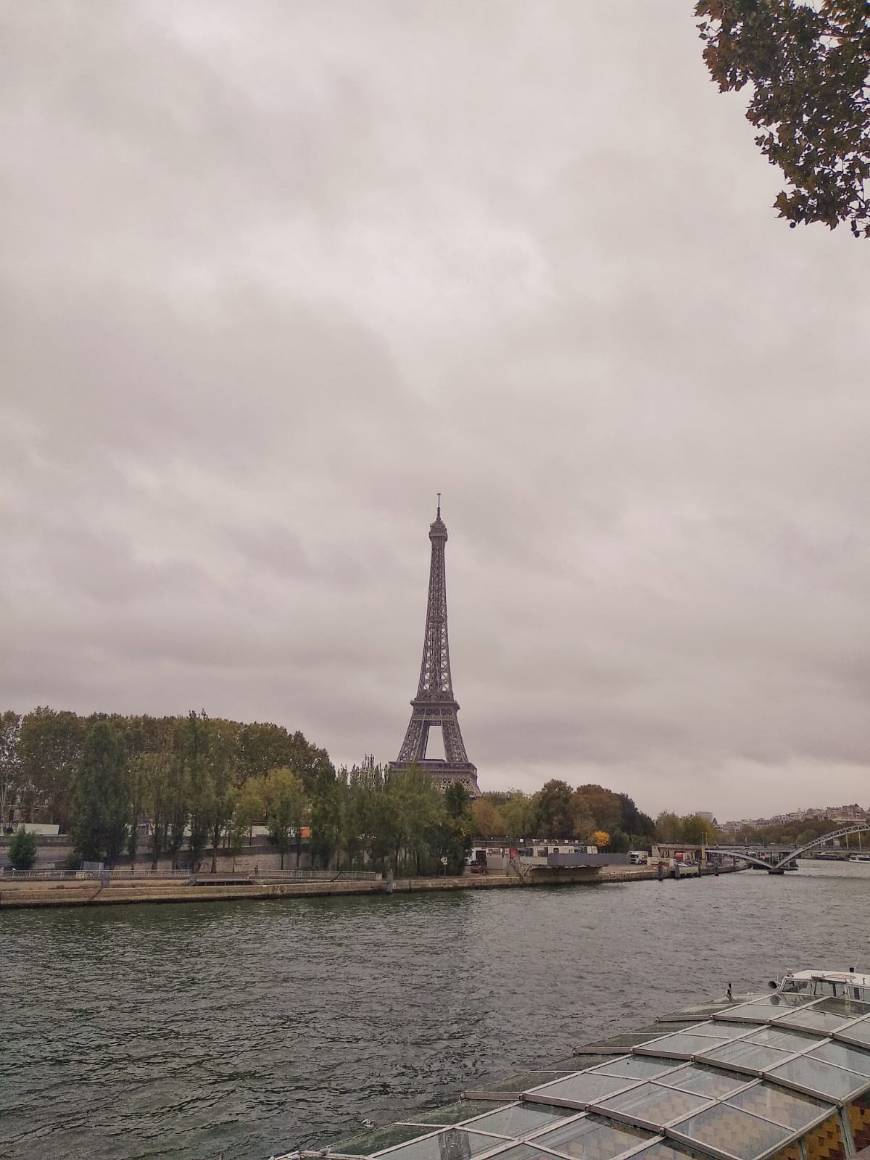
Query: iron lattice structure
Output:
(435,704)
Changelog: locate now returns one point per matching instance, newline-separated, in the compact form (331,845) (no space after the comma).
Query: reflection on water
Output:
(248,1028)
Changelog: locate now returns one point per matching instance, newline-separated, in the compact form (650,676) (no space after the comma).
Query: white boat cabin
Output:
(827,984)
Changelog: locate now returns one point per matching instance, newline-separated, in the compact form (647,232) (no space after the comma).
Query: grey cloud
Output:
(272,275)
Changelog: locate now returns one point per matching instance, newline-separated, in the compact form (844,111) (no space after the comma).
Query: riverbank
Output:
(33,893)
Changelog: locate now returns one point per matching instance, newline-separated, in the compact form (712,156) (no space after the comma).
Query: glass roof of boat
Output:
(741,1086)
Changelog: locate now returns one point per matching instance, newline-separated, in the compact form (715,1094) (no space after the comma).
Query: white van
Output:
(637,857)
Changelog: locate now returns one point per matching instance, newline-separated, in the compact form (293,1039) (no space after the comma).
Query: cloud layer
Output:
(274,274)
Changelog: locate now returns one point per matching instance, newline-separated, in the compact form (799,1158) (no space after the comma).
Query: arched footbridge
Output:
(779,866)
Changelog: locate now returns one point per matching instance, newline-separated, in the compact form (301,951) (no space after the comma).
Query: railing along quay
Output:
(200,876)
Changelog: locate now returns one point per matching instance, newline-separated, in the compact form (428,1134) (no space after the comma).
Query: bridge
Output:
(779,866)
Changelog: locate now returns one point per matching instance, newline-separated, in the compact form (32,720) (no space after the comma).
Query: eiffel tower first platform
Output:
(435,706)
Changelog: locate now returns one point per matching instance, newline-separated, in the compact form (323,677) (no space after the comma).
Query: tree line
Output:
(41,754)
(588,813)
(202,783)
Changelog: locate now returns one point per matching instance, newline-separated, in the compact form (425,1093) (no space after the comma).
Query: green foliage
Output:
(558,811)
(22,850)
(11,780)
(101,804)
(554,810)
(50,751)
(807,65)
(518,813)
(488,819)
(286,806)
(691,828)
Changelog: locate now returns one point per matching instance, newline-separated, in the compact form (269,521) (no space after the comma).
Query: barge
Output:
(784,1076)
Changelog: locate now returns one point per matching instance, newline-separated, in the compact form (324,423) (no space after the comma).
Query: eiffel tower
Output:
(435,705)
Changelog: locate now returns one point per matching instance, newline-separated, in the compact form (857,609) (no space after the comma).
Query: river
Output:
(245,1029)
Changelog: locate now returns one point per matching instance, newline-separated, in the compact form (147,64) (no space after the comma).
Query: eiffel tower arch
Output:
(435,706)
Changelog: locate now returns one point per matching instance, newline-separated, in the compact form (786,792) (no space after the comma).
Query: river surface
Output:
(245,1029)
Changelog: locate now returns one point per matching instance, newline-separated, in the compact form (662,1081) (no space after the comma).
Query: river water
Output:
(245,1029)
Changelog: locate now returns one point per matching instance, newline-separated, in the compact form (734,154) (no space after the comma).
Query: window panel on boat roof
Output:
(784,1038)
(841,1054)
(857,1033)
(640,1066)
(592,1138)
(760,1010)
(729,1130)
(523,1152)
(750,1055)
(813,1019)
(365,1143)
(453,1113)
(682,1045)
(663,1150)
(519,1119)
(775,1103)
(845,1006)
(820,1078)
(515,1082)
(579,1089)
(445,1144)
(653,1104)
(706,1081)
(719,1029)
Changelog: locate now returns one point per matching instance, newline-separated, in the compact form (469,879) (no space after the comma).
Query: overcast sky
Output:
(273,273)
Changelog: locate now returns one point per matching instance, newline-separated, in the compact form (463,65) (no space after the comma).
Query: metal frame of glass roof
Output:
(656,1092)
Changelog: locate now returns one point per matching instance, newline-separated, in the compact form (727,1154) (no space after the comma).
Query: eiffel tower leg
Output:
(454,747)
(416,737)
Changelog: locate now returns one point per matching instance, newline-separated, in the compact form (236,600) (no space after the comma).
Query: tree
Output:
(698,831)
(136,789)
(488,821)
(285,806)
(807,65)
(584,821)
(101,802)
(332,825)
(22,850)
(454,831)
(554,808)
(519,815)
(600,838)
(11,781)
(416,809)
(248,806)
(668,827)
(50,746)
(154,773)
(222,758)
(604,805)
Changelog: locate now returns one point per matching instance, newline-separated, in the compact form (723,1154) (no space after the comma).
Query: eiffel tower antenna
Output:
(435,706)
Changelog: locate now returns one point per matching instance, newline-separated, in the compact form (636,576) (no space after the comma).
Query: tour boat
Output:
(859,858)
(783,1076)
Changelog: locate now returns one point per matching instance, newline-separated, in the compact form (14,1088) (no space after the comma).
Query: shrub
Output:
(22,850)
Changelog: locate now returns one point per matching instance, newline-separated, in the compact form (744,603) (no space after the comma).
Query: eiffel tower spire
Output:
(435,705)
